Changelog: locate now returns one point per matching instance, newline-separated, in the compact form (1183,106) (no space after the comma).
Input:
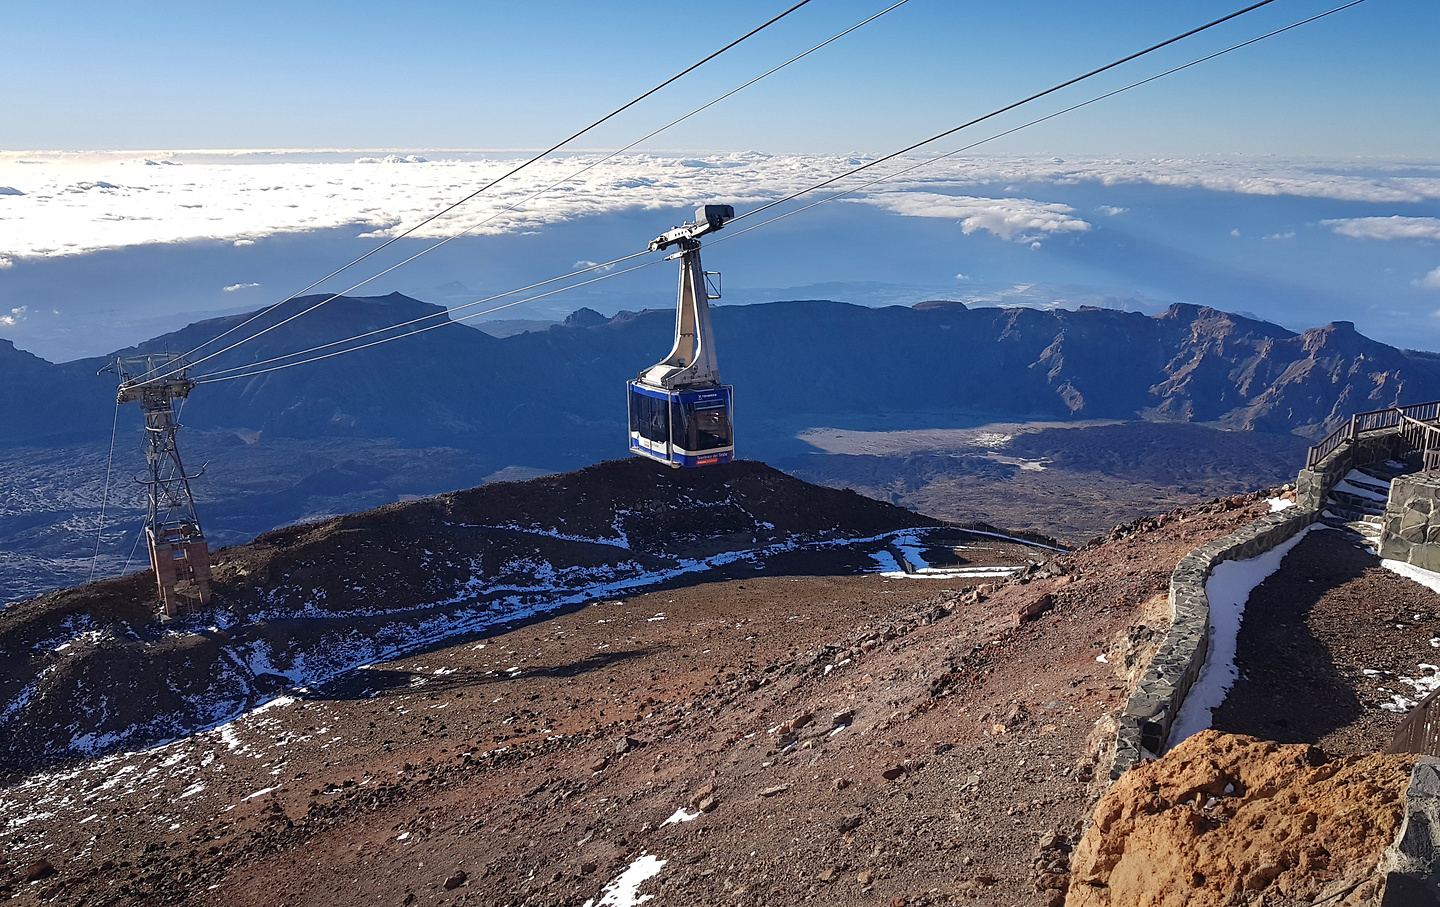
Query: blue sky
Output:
(1297,179)
(453,75)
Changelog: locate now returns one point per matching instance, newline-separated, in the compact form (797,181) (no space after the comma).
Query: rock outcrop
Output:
(1223,817)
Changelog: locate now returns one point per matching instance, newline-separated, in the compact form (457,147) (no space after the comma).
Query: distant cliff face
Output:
(1190,364)
(1248,374)
(558,394)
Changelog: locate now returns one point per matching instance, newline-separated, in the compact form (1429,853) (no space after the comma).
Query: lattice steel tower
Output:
(178,551)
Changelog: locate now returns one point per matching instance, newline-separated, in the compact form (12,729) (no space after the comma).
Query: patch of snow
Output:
(1426,683)
(260,793)
(888,565)
(279,702)
(961,573)
(679,816)
(1351,488)
(1279,504)
(624,890)
(1228,590)
(12,824)
(1359,477)
(909,547)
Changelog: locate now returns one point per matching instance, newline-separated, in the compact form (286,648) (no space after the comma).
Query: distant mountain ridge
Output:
(557,395)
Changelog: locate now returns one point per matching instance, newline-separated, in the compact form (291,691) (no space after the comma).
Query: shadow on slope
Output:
(1290,688)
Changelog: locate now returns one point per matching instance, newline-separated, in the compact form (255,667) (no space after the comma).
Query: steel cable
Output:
(245,372)
(533,196)
(276,368)
(611,115)
(1049,116)
(105,495)
(1008,107)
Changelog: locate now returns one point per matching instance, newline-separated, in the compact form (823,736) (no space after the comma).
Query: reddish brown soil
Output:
(534,769)
(1310,633)
(310,601)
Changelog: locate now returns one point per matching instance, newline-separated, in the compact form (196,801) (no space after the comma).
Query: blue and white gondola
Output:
(682,428)
(679,412)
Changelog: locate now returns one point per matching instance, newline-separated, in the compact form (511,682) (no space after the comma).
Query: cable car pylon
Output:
(680,413)
(178,550)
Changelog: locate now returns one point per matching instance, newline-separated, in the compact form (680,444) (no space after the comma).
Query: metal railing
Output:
(1423,438)
(1420,731)
(1416,424)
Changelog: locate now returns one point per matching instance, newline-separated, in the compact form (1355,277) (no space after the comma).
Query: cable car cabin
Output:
(682,427)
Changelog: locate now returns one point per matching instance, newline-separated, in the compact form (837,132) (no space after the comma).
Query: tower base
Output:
(177,556)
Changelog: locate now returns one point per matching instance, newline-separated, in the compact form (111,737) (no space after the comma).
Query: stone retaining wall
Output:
(1411,865)
(1411,531)
(1145,723)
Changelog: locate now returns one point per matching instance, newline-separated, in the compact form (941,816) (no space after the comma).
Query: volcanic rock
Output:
(1222,815)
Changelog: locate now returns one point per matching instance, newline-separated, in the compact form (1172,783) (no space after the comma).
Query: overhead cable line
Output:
(514,170)
(139,534)
(276,368)
(538,193)
(603,266)
(105,495)
(1049,116)
(1008,107)
(913,167)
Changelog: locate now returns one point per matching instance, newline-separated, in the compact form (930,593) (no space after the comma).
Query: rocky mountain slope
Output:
(691,685)
(793,729)
(89,670)
(559,393)
(454,407)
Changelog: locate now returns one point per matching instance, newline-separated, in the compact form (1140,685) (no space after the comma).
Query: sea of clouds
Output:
(71,204)
(1294,241)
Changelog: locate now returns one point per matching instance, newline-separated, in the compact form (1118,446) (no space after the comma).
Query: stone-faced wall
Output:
(1411,532)
(1151,709)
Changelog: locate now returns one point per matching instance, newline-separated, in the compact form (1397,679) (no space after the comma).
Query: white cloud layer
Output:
(64,204)
(1019,219)
(16,316)
(239,286)
(1387,227)
(1431,281)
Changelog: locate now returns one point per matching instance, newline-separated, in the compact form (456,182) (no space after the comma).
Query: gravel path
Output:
(1327,644)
